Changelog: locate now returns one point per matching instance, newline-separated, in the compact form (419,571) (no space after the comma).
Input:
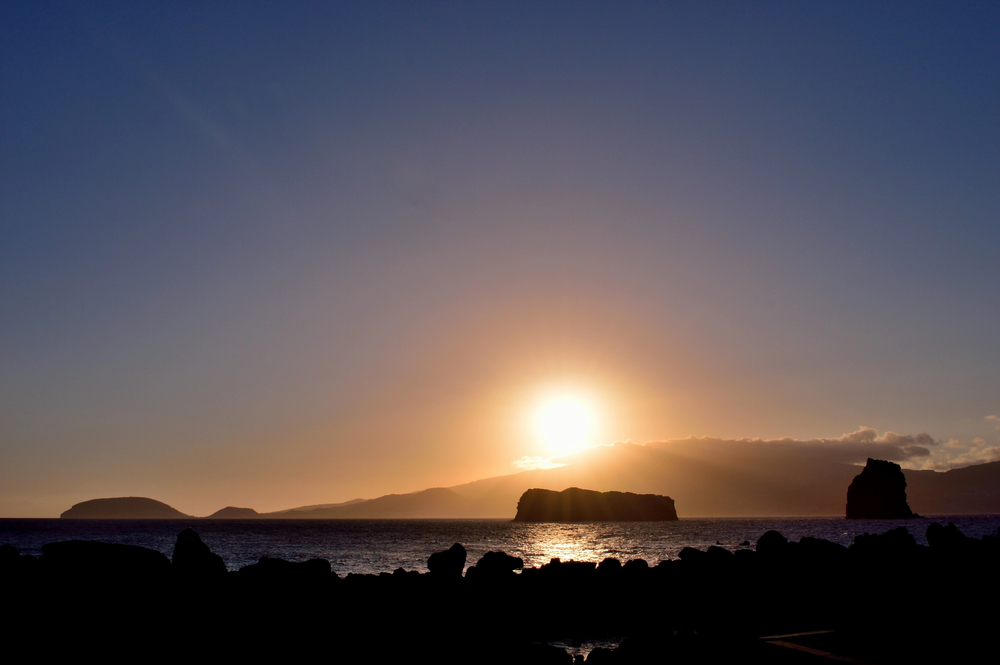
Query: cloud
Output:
(977,453)
(955,454)
(992,417)
(531,463)
(911,451)
(851,448)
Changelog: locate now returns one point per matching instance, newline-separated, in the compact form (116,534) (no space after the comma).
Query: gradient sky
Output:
(274,254)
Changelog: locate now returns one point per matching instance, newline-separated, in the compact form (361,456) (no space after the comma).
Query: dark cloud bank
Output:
(709,476)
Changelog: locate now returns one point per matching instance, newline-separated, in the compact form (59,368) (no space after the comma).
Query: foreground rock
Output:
(193,560)
(103,563)
(579,505)
(709,605)
(878,492)
(448,564)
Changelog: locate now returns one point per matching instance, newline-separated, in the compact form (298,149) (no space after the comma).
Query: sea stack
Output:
(577,505)
(878,492)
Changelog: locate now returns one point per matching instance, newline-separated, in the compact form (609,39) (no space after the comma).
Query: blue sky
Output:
(269,254)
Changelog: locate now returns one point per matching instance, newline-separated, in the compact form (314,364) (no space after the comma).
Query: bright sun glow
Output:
(564,423)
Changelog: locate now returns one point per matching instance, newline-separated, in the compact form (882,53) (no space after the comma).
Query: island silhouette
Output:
(791,487)
(580,505)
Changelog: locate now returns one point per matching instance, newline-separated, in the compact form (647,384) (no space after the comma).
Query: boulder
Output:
(771,542)
(948,539)
(878,492)
(92,561)
(609,565)
(693,556)
(496,565)
(450,563)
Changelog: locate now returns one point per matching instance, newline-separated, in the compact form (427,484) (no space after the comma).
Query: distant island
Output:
(579,505)
(770,485)
(125,507)
(233,513)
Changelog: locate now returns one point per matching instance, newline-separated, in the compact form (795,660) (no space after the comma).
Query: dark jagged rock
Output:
(564,572)
(878,492)
(711,606)
(234,513)
(634,569)
(125,507)
(450,563)
(579,505)
(610,564)
(895,544)
(193,560)
(268,569)
(951,543)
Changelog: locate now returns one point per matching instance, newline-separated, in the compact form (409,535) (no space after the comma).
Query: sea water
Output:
(374,546)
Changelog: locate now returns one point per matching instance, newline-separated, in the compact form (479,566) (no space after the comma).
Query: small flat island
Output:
(579,505)
(123,507)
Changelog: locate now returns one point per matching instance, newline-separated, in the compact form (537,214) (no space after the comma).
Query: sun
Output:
(565,423)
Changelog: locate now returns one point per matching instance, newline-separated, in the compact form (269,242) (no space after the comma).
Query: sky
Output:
(273,254)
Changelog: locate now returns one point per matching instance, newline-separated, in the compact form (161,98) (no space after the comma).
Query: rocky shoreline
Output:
(884,599)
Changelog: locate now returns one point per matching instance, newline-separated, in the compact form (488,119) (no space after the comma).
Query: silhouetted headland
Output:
(878,492)
(579,505)
(125,507)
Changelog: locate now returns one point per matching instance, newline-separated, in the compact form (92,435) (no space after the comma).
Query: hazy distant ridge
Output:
(429,503)
(746,483)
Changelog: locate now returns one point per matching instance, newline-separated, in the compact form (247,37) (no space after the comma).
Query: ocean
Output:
(375,546)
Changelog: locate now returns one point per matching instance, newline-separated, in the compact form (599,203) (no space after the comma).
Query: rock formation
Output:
(707,606)
(125,507)
(192,558)
(93,561)
(450,563)
(234,513)
(878,492)
(495,566)
(578,505)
